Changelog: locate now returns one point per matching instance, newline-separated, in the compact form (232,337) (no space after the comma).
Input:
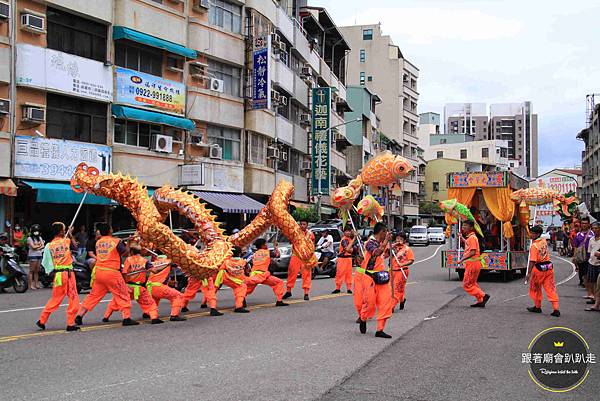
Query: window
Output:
(139,58)
(75,35)
(228,139)
(485,152)
(225,15)
(436,187)
(440,154)
(363,55)
(231,76)
(370,78)
(76,119)
(368,34)
(463,153)
(135,133)
(257,149)
(295,160)
(362,78)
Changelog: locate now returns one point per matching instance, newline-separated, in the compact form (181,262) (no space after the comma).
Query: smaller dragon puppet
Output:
(371,209)
(459,211)
(541,196)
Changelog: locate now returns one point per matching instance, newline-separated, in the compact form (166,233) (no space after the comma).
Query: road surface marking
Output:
(430,257)
(38,307)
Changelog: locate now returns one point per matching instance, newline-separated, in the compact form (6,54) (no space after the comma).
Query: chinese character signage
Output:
(261,81)
(145,90)
(488,179)
(321,141)
(61,72)
(56,159)
(563,183)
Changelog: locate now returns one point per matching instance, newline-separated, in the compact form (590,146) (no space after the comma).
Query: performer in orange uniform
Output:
(135,273)
(297,265)
(158,288)
(260,271)
(107,277)
(472,260)
(209,292)
(374,296)
(232,275)
(404,258)
(343,270)
(541,273)
(64,279)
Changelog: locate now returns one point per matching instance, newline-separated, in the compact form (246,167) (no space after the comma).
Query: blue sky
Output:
(497,51)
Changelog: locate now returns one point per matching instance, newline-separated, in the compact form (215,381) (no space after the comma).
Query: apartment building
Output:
(364,135)
(494,152)
(162,90)
(376,63)
(466,119)
(590,156)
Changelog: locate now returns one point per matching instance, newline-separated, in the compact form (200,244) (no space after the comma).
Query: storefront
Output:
(8,191)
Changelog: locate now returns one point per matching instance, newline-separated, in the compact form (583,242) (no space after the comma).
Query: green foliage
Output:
(432,208)
(306,213)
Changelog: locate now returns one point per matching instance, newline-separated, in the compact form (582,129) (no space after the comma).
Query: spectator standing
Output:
(18,241)
(560,241)
(82,238)
(582,240)
(594,266)
(35,245)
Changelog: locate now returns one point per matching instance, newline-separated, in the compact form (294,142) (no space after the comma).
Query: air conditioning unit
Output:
(305,71)
(272,152)
(283,101)
(4,106)
(4,10)
(282,47)
(306,165)
(201,5)
(275,40)
(275,97)
(217,85)
(34,114)
(33,23)
(216,152)
(305,119)
(283,156)
(162,143)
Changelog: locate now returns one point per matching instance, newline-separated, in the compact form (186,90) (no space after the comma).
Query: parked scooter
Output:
(11,273)
(83,276)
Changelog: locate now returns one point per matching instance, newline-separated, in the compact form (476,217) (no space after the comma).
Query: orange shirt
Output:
(60,250)
(404,254)
(261,260)
(107,254)
(162,275)
(472,244)
(370,247)
(538,252)
(133,264)
(343,245)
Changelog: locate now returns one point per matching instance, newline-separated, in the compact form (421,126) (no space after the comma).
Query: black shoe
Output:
(203,306)
(40,325)
(486,298)
(358,320)
(145,316)
(280,303)
(590,302)
(241,310)
(244,304)
(177,318)
(287,295)
(335,292)
(306,297)
(78,320)
(349,292)
(534,309)
(402,304)
(185,309)
(381,334)
(105,320)
(73,328)
(555,313)
(478,305)
(156,321)
(362,326)
(214,312)
(129,322)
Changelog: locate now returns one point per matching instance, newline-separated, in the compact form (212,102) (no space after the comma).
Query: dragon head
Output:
(448,205)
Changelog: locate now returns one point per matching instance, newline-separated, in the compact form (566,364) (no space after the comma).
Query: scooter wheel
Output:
(20,285)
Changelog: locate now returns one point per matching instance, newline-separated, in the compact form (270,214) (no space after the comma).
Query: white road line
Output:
(430,257)
(38,307)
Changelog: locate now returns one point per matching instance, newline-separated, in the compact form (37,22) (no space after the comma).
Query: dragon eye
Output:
(401,168)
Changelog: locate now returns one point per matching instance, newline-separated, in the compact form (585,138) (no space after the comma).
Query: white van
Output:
(418,235)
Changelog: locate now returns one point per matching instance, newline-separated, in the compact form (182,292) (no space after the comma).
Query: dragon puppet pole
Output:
(171,227)
(362,251)
(458,236)
(535,209)
(77,212)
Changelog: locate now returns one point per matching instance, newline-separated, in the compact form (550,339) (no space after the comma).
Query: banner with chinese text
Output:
(321,141)
(261,80)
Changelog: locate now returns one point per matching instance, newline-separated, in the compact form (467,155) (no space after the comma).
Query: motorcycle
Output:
(328,270)
(83,276)
(11,273)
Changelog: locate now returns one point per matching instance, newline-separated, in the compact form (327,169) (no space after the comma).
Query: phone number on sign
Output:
(165,97)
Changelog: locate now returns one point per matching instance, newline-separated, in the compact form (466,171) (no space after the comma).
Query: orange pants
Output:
(343,273)
(472,269)
(209,292)
(267,279)
(144,300)
(239,290)
(293,268)
(541,279)
(163,291)
(399,285)
(108,280)
(369,296)
(69,289)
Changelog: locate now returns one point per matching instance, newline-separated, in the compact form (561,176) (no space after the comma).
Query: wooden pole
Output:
(76,213)
(529,251)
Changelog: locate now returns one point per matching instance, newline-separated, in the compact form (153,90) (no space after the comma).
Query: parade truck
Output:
(487,195)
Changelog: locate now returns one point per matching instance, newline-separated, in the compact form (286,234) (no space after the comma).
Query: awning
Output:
(7,187)
(130,113)
(120,32)
(231,203)
(60,192)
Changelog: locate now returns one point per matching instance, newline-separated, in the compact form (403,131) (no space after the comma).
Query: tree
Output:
(432,208)
(306,213)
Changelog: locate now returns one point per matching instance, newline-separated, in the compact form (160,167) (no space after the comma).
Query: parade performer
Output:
(343,271)
(400,263)
(158,288)
(232,275)
(296,265)
(135,270)
(472,260)
(260,271)
(541,273)
(107,277)
(371,290)
(58,258)
(209,293)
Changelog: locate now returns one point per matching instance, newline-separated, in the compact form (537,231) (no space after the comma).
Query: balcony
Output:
(230,48)
(268,8)
(206,105)
(338,160)
(300,139)
(156,20)
(315,61)
(260,121)
(410,187)
(220,175)
(284,130)
(300,189)
(410,91)
(258,180)
(367,146)
(285,25)
(300,91)
(301,43)
(157,168)
(284,77)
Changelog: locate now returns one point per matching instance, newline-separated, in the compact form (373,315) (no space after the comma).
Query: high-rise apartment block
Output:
(466,119)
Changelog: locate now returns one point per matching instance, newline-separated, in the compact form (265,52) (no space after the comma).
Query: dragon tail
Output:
(478,228)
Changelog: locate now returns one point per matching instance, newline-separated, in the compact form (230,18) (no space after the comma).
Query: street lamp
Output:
(328,130)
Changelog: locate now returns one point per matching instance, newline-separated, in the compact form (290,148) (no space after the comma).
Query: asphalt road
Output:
(441,348)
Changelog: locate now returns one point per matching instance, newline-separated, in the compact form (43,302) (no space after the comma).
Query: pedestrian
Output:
(35,244)
(58,260)
(560,240)
(541,273)
(472,260)
(90,249)
(135,272)
(581,255)
(82,238)
(297,265)
(553,238)
(261,259)
(594,266)
(159,289)
(107,277)
(404,257)
(370,295)
(343,270)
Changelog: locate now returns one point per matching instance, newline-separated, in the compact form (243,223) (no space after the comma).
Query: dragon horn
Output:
(565,209)
(478,229)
